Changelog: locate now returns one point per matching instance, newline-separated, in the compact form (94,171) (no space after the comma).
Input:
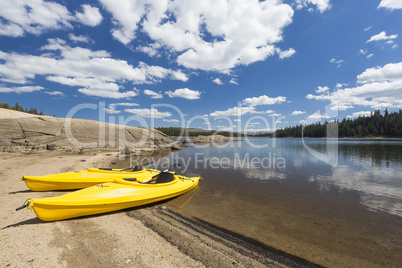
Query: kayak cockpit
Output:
(161,178)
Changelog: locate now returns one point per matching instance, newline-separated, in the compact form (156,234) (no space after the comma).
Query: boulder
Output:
(212,138)
(18,128)
(51,147)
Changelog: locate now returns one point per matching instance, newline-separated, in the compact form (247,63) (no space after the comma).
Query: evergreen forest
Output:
(19,108)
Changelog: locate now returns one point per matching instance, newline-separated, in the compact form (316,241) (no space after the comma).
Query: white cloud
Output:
(112,107)
(287,53)
(226,128)
(153,94)
(362,52)
(217,81)
(112,110)
(233,81)
(150,113)
(340,107)
(269,111)
(36,17)
(337,62)
(378,88)
(242,32)
(235,111)
(391,72)
(369,56)
(322,5)
(184,93)
(318,115)
(19,90)
(95,72)
(104,93)
(362,113)
(79,38)
(11,29)
(382,37)
(322,89)
(127,14)
(171,120)
(391,4)
(32,16)
(340,85)
(151,50)
(179,75)
(263,100)
(368,28)
(54,93)
(91,16)
(297,112)
(125,104)
(275,114)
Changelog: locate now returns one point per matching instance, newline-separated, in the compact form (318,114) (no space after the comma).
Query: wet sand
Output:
(152,236)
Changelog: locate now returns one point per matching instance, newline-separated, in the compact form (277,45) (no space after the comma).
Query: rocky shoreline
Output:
(22,132)
(213,139)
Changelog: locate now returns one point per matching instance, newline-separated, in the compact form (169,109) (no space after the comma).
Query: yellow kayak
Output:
(117,171)
(106,197)
(82,179)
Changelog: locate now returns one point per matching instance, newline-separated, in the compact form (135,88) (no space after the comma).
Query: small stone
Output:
(176,147)
(51,147)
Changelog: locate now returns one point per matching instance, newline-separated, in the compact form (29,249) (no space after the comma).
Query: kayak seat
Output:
(130,179)
(137,168)
(105,169)
(165,177)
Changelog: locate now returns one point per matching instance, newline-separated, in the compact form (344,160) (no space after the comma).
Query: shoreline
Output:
(98,240)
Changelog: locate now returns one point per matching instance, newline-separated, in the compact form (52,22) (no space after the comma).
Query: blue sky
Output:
(222,64)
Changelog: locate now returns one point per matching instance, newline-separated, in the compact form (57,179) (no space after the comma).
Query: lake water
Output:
(334,202)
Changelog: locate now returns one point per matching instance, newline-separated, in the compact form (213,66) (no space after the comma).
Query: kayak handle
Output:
(23,206)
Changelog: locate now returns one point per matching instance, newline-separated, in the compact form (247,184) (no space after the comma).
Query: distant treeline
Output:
(192,132)
(19,108)
(375,125)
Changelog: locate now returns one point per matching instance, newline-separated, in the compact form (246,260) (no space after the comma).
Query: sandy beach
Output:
(152,236)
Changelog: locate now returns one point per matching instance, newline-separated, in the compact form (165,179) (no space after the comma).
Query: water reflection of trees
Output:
(379,154)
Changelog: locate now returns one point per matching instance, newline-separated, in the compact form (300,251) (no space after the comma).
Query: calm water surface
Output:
(337,203)
(370,168)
